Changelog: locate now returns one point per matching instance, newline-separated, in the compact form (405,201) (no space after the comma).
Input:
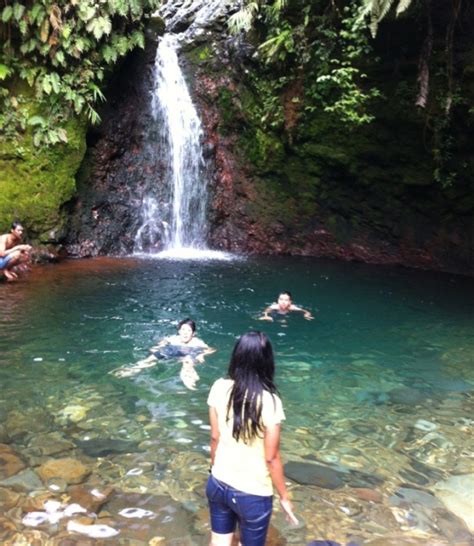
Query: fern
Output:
(5,71)
(63,49)
(378,10)
(243,19)
(7,13)
(18,11)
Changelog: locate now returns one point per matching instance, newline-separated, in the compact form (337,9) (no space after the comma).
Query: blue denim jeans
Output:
(229,506)
(4,260)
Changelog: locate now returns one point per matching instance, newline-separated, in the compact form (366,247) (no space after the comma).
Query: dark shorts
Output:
(229,506)
(4,260)
(174,351)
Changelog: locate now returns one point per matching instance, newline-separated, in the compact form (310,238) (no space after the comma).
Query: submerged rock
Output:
(163,514)
(406,396)
(70,470)
(26,480)
(10,463)
(90,498)
(8,499)
(102,447)
(406,495)
(314,474)
(457,493)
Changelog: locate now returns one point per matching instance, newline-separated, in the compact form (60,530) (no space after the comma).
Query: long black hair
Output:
(252,368)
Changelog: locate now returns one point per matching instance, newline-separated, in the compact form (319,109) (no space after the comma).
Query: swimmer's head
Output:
(284,301)
(186,329)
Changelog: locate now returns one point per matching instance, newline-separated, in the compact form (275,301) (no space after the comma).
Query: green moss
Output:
(35,183)
(200,54)
(227,109)
(264,150)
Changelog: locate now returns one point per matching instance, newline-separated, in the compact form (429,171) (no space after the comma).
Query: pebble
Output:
(427,426)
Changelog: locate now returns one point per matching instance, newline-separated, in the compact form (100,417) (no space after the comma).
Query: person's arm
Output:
(214,433)
(17,248)
(275,467)
(306,314)
(206,351)
(160,345)
(265,315)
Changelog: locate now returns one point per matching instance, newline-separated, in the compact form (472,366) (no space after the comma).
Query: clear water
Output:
(382,382)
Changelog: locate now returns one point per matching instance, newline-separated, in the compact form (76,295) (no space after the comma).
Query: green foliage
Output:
(34,186)
(62,50)
(377,10)
(320,44)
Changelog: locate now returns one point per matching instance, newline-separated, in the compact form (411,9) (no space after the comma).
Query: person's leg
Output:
(254,514)
(129,371)
(7,262)
(188,373)
(223,519)
(221,540)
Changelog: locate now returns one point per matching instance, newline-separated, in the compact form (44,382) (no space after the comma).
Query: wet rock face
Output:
(308,188)
(119,164)
(313,188)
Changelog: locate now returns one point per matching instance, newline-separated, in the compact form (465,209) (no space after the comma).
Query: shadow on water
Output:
(378,392)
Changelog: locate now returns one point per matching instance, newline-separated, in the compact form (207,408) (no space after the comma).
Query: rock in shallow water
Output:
(8,499)
(10,463)
(27,480)
(70,470)
(108,446)
(406,396)
(314,474)
(457,493)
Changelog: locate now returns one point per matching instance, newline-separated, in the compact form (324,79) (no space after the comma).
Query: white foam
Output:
(33,519)
(136,513)
(93,531)
(189,253)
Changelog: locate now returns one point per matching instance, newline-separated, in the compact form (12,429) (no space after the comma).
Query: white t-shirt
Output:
(238,464)
(194,343)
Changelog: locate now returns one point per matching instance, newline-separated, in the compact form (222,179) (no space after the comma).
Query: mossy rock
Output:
(36,182)
(200,54)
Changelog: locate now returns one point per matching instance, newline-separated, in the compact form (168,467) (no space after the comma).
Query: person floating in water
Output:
(184,346)
(12,252)
(283,306)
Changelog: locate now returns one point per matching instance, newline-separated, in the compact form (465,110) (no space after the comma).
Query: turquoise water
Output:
(381,383)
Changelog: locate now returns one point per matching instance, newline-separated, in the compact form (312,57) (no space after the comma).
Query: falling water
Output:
(181,136)
(180,221)
(173,213)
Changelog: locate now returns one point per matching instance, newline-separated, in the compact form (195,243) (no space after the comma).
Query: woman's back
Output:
(242,464)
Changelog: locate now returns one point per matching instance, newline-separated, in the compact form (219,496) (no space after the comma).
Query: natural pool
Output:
(378,392)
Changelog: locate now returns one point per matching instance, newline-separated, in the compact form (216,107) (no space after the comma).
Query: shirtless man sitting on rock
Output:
(12,252)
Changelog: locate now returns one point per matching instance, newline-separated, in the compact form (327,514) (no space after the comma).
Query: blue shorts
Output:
(229,506)
(4,260)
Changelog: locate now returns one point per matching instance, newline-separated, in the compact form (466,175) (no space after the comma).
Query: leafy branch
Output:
(62,49)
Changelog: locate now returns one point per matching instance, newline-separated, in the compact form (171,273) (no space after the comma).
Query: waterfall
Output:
(173,217)
(181,137)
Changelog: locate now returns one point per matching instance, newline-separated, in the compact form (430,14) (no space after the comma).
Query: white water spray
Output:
(176,222)
(181,135)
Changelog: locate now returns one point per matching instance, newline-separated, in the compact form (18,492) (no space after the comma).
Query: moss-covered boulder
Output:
(36,182)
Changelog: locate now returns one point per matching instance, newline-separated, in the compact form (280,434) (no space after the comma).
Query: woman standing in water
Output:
(245,413)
